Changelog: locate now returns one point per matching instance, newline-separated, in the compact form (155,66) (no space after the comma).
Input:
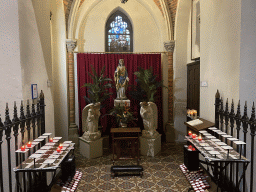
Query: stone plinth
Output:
(121,102)
(150,147)
(91,149)
(91,136)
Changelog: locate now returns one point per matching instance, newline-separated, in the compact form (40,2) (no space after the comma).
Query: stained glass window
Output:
(118,33)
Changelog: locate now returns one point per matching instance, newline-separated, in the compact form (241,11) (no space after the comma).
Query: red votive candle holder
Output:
(59,150)
(29,144)
(60,146)
(193,135)
(23,147)
(189,133)
(199,138)
(51,140)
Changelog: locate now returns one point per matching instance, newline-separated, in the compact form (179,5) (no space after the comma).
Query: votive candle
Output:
(189,133)
(51,140)
(195,113)
(29,144)
(23,148)
(194,136)
(199,138)
(59,150)
(60,146)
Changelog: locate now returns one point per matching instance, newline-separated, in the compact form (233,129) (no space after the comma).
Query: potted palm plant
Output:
(144,92)
(146,87)
(97,91)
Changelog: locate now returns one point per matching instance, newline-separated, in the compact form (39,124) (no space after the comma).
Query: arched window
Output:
(118,34)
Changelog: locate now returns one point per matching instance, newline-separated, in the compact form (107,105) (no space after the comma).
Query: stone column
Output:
(169,127)
(73,129)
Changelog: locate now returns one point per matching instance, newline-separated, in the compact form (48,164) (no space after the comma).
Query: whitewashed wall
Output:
(59,69)
(180,61)
(10,69)
(93,28)
(35,48)
(220,52)
(247,52)
(248,64)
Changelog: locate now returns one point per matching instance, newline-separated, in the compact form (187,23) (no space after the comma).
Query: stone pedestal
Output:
(150,147)
(91,136)
(121,102)
(91,149)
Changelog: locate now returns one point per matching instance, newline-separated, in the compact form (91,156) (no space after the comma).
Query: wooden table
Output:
(125,143)
(196,128)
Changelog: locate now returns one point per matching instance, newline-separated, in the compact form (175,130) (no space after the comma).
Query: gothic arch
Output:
(78,14)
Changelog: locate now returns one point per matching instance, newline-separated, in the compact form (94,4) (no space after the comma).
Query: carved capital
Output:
(71,44)
(169,45)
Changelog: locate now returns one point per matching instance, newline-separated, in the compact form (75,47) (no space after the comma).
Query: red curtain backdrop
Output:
(132,62)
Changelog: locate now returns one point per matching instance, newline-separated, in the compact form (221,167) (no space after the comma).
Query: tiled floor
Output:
(161,173)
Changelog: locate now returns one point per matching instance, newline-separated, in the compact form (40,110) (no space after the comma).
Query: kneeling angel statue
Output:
(90,121)
(148,112)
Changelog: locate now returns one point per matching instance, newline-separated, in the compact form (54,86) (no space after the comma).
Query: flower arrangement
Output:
(122,114)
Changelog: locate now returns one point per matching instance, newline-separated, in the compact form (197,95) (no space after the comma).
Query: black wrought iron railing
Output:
(243,128)
(24,128)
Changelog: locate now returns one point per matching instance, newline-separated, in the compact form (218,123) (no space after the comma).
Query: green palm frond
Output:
(146,84)
(97,91)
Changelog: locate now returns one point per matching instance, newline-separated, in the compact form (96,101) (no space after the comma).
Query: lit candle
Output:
(189,133)
(199,138)
(193,135)
(29,144)
(195,113)
(51,140)
(60,146)
(23,148)
(59,150)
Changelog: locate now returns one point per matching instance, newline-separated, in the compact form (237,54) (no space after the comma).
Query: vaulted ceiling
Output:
(172,5)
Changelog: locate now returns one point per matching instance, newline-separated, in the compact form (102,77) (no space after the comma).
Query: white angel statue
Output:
(148,112)
(90,120)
